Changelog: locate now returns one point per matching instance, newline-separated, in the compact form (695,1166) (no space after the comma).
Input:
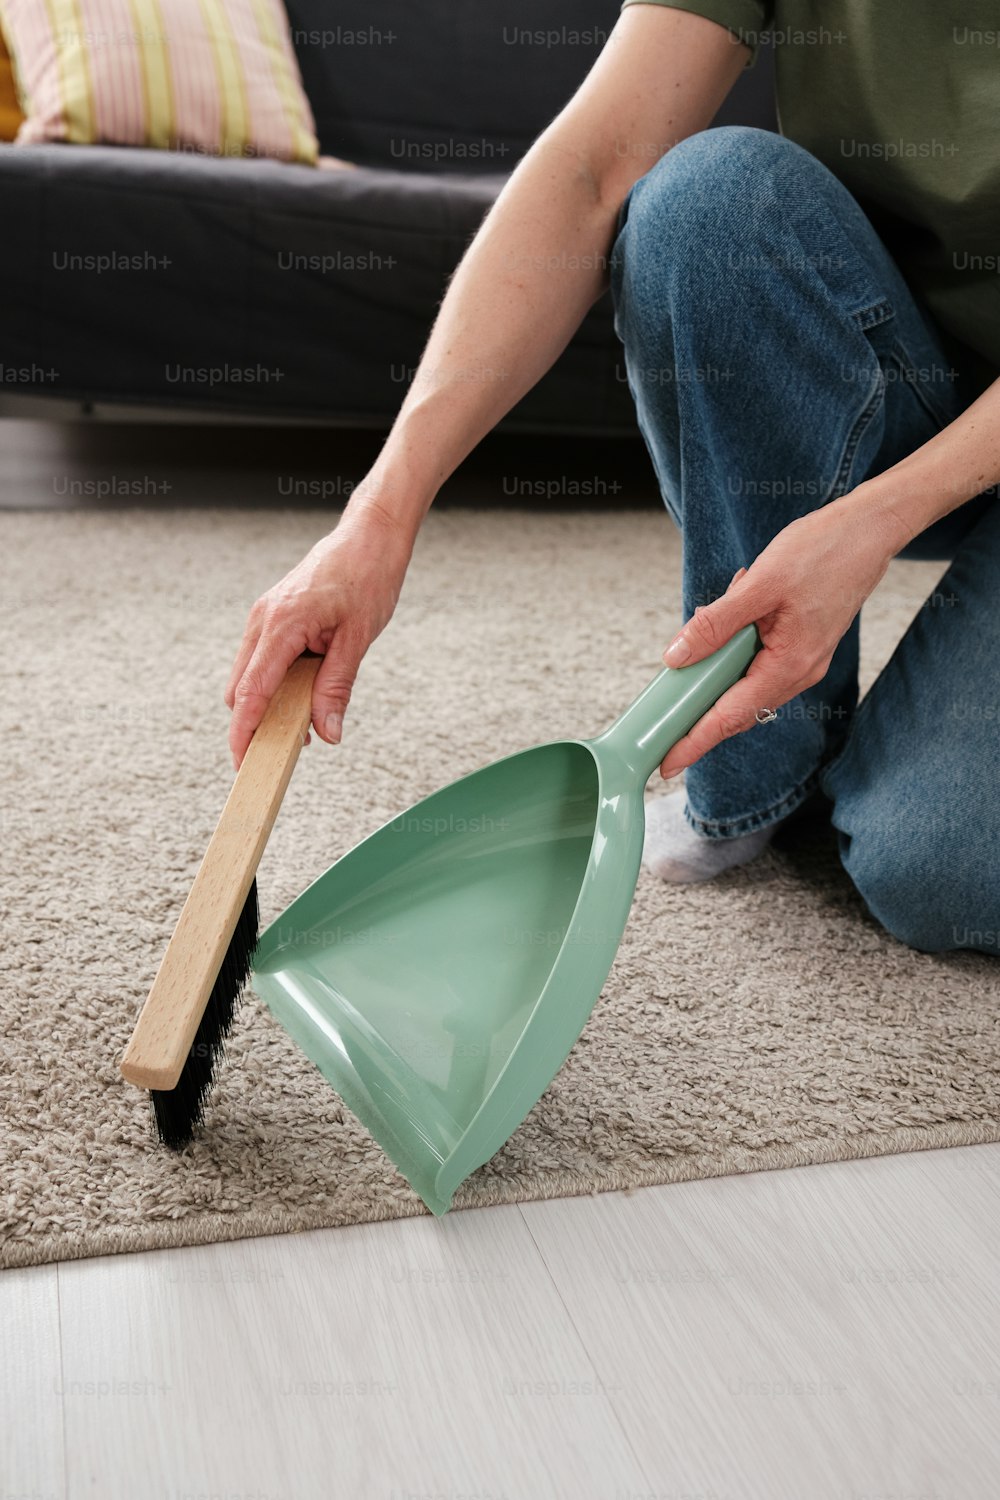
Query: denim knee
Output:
(918,881)
(724,170)
(699,222)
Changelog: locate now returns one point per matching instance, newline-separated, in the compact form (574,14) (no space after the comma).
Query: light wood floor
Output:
(823,1333)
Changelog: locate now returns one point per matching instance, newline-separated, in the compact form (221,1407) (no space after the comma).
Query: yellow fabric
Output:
(231,89)
(10,110)
(286,86)
(155,75)
(74,68)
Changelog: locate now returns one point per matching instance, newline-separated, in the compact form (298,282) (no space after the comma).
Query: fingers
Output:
(333,685)
(764,686)
(248,645)
(263,674)
(712,625)
(260,680)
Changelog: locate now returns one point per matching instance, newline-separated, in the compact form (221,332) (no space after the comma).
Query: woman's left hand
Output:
(802,591)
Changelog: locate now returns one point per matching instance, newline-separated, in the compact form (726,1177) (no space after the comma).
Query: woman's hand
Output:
(803,591)
(335,602)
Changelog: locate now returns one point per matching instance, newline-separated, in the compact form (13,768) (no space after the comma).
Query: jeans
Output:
(776,359)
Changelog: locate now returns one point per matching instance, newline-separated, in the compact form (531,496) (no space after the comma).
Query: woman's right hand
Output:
(334,603)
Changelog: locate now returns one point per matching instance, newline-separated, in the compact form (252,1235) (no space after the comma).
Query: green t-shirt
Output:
(902,103)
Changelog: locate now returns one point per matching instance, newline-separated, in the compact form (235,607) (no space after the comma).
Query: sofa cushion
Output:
(150,277)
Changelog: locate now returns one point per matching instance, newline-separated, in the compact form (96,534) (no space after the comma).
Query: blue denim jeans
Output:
(776,358)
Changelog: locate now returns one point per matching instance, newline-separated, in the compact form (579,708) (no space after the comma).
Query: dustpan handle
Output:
(674,701)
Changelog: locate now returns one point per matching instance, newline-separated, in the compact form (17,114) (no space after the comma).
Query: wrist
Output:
(879,504)
(389,508)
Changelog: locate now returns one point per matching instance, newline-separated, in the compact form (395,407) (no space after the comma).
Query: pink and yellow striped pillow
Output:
(215,76)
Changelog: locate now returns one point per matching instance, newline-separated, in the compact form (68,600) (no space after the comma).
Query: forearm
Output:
(537,264)
(961,461)
(540,257)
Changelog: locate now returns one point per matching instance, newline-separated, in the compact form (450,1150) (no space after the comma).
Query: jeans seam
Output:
(870,315)
(901,356)
(859,718)
(861,425)
(722,828)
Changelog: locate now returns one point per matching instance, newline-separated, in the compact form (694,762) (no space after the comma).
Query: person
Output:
(811,332)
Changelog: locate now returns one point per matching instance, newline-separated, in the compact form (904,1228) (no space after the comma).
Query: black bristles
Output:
(177,1111)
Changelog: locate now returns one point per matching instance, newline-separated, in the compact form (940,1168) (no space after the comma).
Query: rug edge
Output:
(224,1228)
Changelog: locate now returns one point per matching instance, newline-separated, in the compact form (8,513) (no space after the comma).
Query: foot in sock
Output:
(674,851)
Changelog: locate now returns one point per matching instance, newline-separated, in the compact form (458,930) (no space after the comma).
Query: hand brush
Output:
(190,1009)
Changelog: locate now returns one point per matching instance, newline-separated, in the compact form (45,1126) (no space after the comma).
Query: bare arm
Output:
(538,262)
(535,267)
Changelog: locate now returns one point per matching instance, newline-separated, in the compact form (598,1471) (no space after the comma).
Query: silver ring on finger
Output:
(766,715)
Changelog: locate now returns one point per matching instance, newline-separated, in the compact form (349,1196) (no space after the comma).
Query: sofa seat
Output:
(173,279)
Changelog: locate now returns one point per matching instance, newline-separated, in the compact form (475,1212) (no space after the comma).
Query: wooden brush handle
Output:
(173,1010)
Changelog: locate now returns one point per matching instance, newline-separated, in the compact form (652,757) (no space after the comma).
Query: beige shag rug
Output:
(762,1021)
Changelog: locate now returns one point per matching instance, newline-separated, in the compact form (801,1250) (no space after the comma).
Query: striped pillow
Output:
(214,76)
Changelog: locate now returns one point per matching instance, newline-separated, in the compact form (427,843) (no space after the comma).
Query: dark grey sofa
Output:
(171,280)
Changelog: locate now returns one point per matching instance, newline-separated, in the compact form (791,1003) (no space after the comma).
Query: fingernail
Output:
(334,727)
(677,652)
(669,775)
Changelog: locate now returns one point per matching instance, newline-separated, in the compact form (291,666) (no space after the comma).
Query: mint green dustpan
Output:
(440,972)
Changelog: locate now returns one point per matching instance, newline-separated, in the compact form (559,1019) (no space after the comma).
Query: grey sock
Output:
(674,851)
